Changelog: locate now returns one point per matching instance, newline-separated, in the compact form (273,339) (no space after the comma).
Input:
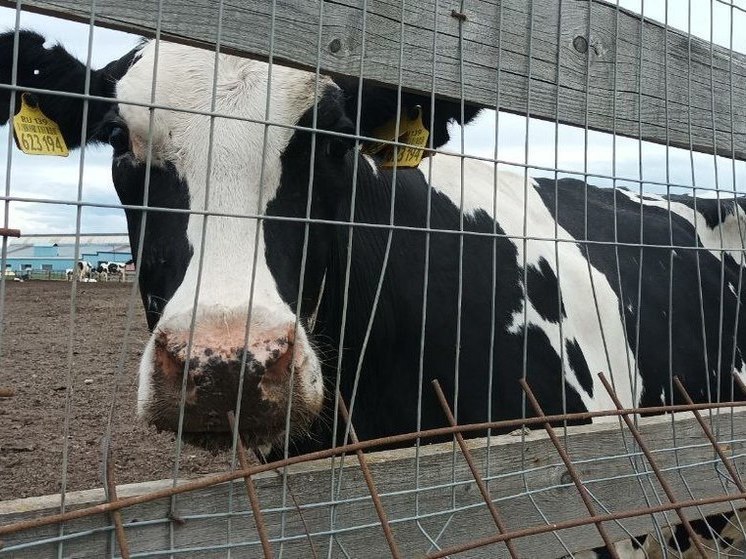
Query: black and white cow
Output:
(562,310)
(83,269)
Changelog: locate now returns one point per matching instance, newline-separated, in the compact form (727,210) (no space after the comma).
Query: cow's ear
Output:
(54,69)
(379,108)
(332,117)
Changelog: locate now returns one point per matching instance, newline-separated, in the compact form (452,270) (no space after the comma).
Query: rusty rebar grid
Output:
(579,522)
(383,519)
(474,470)
(111,493)
(654,466)
(582,491)
(727,462)
(215,479)
(243,460)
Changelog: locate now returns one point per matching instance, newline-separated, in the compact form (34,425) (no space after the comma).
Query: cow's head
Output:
(221,292)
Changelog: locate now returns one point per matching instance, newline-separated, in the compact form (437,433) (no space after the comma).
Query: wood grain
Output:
(635,78)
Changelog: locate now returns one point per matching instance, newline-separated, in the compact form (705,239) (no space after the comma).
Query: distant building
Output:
(57,253)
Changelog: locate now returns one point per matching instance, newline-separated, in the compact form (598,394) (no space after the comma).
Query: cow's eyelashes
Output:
(119,139)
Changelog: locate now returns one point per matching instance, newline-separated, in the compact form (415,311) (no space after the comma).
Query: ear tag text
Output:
(411,132)
(35,133)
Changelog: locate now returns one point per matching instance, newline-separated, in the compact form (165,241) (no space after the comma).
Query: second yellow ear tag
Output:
(411,132)
(35,133)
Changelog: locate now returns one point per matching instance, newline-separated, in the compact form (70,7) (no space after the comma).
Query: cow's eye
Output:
(119,139)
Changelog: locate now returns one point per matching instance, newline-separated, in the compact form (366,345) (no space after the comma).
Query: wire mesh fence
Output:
(327,266)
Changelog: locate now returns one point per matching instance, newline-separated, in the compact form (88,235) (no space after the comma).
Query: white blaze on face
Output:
(230,166)
(583,324)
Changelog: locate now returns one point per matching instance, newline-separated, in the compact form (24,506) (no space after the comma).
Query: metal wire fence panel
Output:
(322,276)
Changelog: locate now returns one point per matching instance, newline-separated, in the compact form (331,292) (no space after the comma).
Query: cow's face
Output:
(222,292)
(230,324)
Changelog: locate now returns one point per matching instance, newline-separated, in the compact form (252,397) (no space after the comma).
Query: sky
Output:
(58,178)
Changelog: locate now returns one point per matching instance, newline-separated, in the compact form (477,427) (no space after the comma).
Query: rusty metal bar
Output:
(111,487)
(243,460)
(584,495)
(654,466)
(5,232)
(7,392)
(369,481)
(711,437)
(578,522)
(223,477)
(474,471)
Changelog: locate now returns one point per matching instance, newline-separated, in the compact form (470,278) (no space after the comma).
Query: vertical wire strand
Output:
(493,267)
(558,273)
(526,487)
(132,299)
(674,431)
(387,249)
(585,244)
(389,236)
(703,329)
(524,259)
(426,284)
(200,267)
(346,282)
(74,286)
(8,165)
(641,253)
(737,210)
(304,252)
(460,286)
(386,254)
(635,463)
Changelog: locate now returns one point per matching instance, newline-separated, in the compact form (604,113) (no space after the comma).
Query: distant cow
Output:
(115,270)
(102,271)
(83,269)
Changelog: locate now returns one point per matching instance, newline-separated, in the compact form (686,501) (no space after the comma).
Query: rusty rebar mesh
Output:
(505,535)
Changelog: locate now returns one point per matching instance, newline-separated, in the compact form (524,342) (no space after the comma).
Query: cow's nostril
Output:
(167,362)
(278,367)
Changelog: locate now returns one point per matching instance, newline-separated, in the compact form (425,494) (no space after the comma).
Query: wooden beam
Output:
(582,71)
(615,474)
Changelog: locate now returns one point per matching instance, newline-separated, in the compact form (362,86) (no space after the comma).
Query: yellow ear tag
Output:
(35,133)
(411,132)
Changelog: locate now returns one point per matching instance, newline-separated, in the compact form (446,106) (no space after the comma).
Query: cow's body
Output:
(492,265)
(592,324)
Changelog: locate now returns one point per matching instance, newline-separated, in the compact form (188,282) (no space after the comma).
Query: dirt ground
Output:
(34,364)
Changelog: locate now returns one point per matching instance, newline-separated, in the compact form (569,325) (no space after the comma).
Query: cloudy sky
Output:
(57,178)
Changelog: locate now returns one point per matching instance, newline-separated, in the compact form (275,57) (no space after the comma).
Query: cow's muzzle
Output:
(264,378)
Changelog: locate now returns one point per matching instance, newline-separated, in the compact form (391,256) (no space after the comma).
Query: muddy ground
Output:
(34,364)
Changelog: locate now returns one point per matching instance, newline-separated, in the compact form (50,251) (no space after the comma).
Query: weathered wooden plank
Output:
(602,91)
(598,450)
